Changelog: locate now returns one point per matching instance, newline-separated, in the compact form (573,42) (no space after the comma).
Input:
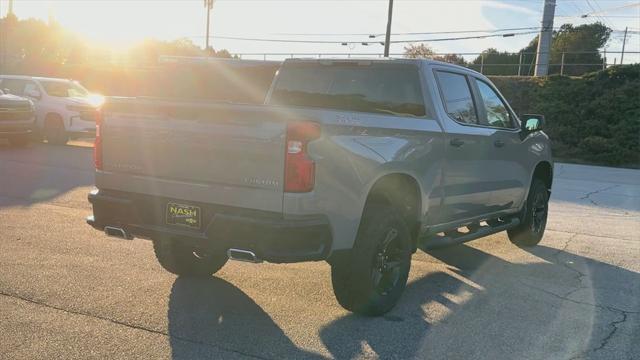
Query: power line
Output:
(601,17)
(261,39)
(598,13)
(468,37)
(369,42)
(371,35)
(411,33)
(615,8)
(600,9)
(594,12)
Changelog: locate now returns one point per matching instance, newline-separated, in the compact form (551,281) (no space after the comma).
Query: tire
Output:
(54,131)
(21,140)
(533,217)
(370,279)
(184,260)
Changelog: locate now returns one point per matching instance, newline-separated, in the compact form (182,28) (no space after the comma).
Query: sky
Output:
(122,23)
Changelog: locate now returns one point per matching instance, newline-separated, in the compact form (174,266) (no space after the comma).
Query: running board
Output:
(436,241)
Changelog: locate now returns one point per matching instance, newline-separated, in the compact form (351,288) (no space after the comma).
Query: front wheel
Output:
(54,131)
(371,278)
(184,260)
(533,217)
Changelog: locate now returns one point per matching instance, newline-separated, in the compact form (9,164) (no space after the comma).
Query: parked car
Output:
(357,162)
(64,109)
(17,116)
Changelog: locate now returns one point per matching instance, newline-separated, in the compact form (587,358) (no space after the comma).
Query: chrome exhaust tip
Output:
(243,255)
(117,232)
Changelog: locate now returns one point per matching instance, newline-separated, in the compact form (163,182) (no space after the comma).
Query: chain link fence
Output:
(508,64)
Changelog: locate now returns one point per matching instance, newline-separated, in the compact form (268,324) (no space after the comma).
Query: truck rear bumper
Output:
(270,236)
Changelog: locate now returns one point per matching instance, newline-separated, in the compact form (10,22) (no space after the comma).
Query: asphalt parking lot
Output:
(68,291)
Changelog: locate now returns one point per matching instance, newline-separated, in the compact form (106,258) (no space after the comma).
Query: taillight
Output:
(97,145)
(299,169)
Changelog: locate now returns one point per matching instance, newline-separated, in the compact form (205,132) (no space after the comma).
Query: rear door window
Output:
(457,98)
(374,88)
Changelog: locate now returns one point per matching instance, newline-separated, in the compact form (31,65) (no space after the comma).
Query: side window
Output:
(15,86)
(30,86)
(497,113)
(457,97)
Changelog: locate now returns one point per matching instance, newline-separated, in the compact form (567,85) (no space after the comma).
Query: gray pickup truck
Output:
(356,162)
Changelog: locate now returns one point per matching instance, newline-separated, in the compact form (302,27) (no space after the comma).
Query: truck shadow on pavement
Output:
(489,308)
(559,306)
(206,315)
(42,173)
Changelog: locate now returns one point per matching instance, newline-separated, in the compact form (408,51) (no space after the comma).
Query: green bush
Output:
(593,119)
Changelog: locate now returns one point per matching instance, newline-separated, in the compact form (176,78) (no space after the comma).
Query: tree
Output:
(148,52)
(417,51)
(35,47)
(493,62)
(34,44)
(452,59)
(579,43)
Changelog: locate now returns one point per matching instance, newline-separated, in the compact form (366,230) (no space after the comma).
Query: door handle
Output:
(456,142)
(499,143)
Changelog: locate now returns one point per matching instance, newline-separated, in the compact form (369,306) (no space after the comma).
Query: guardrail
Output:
(522,67)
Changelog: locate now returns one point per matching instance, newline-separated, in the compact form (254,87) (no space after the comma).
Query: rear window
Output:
(246,84)
(378,88)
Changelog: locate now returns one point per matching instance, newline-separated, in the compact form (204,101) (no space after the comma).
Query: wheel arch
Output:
(544,172)
(51,116)
(400,190)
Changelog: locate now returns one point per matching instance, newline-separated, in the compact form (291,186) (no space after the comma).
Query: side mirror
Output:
(34,94)
(532,123)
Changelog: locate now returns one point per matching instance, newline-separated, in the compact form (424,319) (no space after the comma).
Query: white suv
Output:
(64,109)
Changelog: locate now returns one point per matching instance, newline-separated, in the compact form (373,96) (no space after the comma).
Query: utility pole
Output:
(624,42)
(387,38)
(544,40)
(208,4)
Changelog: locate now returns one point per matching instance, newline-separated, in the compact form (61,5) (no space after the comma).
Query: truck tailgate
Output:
(217,153)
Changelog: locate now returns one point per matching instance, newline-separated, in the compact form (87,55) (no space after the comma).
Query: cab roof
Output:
(365,60)
(27,77)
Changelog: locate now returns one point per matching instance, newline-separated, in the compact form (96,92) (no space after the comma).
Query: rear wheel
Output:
(185,260)
(54,131)
(371,278)
(533,217)
(19,140)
